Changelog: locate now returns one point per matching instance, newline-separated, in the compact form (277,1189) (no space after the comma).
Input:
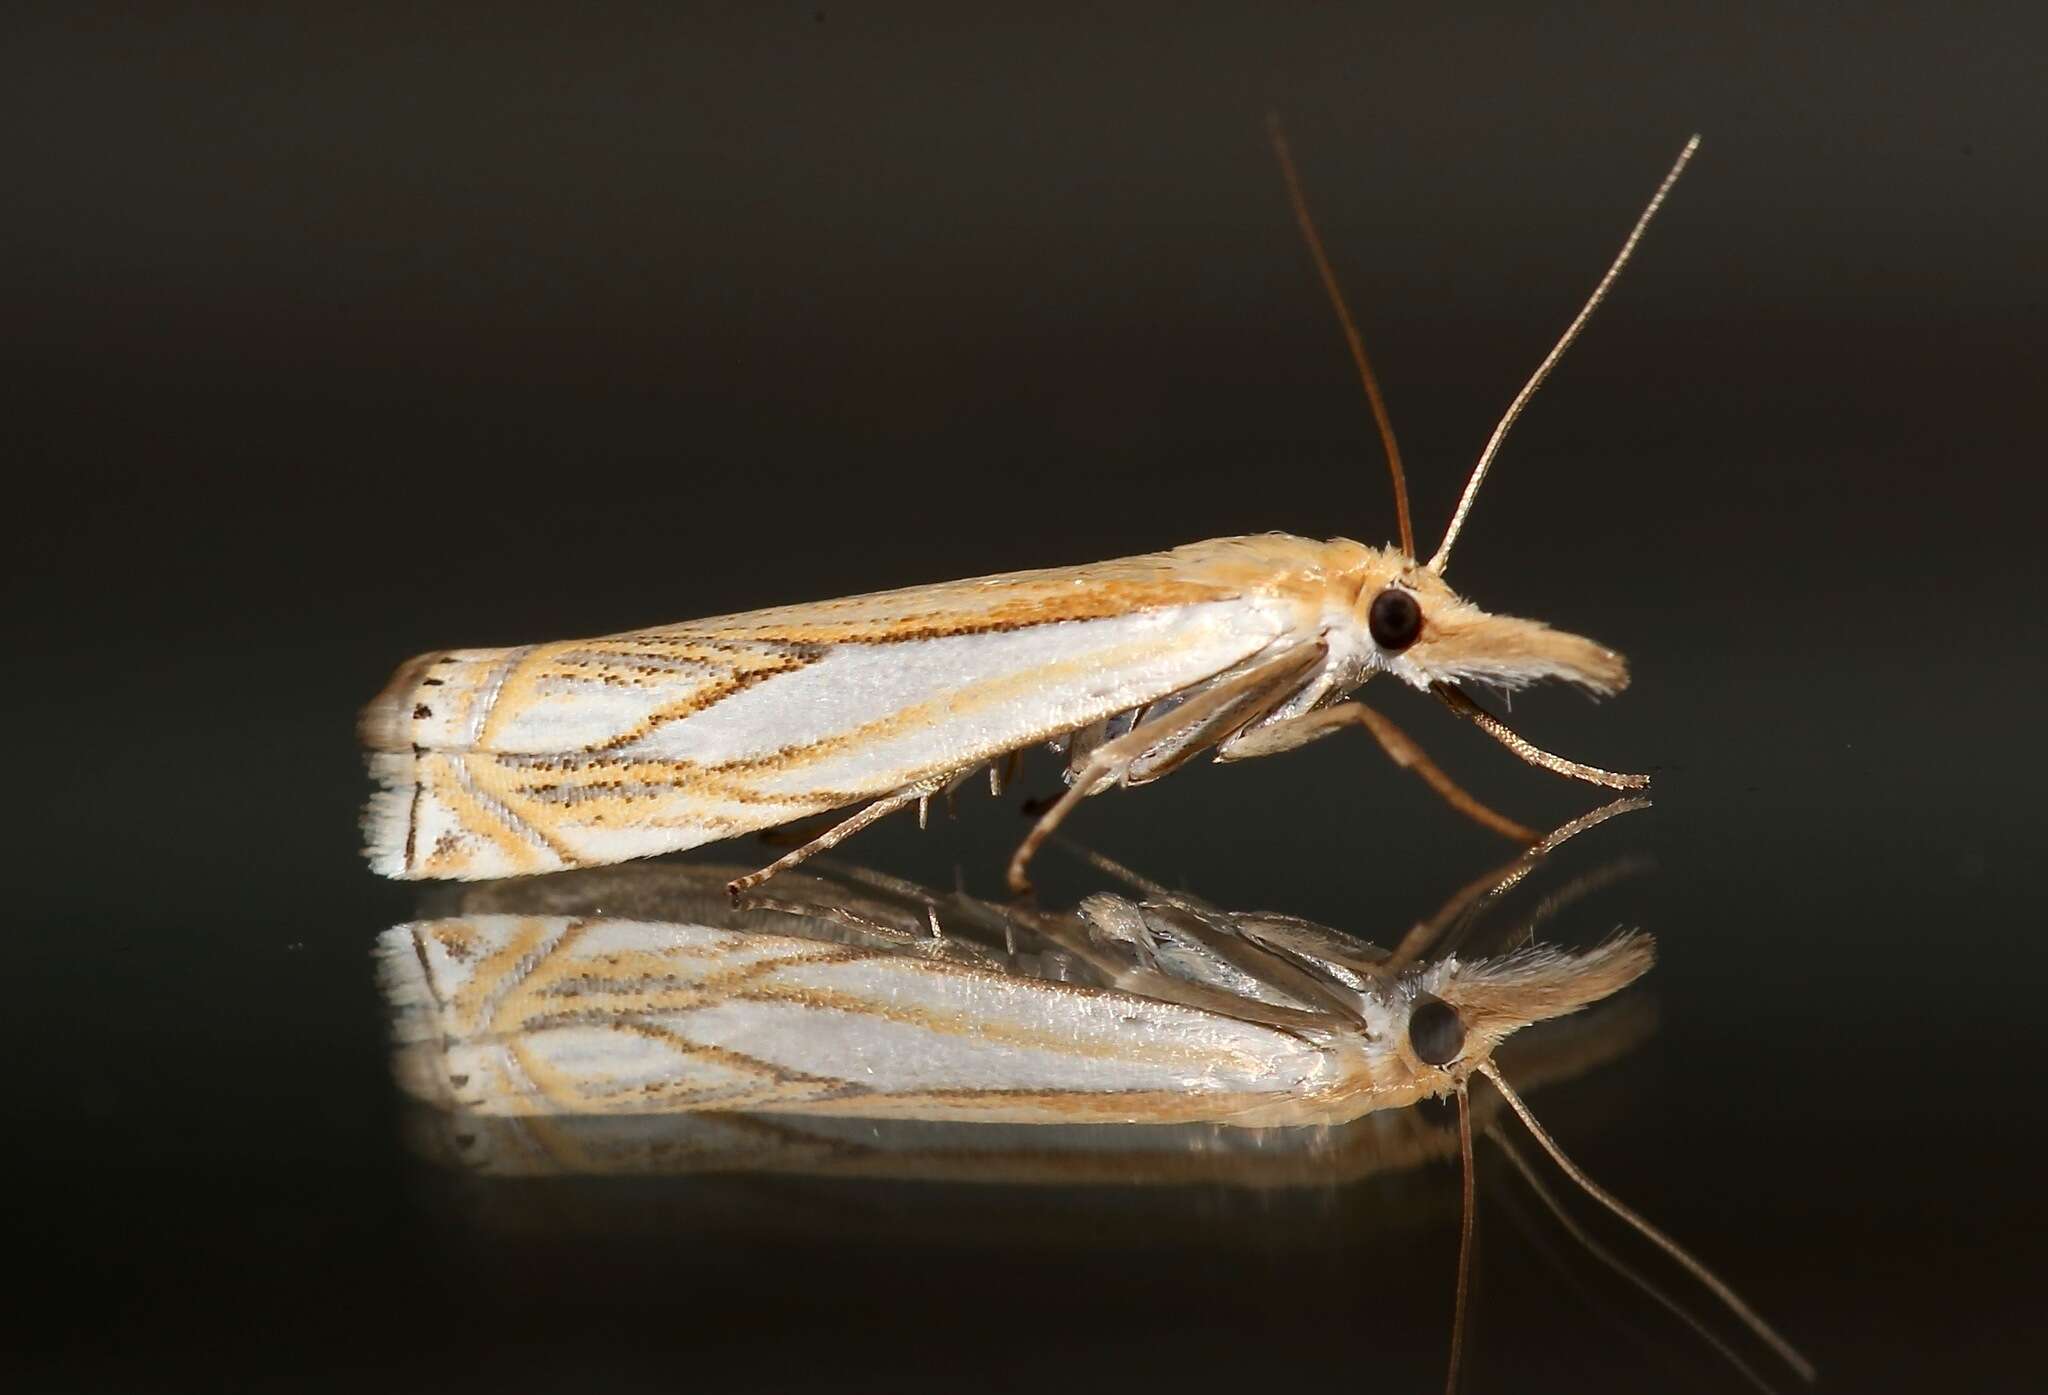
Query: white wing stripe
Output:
(856,685)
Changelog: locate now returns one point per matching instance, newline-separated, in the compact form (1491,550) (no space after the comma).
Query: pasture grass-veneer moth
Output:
(498,762)
(644,992)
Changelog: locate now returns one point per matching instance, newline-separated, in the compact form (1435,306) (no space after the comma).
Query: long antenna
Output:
(1649,1232)
(1464,1242)
(1443,550)
(1365,374)
(1612,1261)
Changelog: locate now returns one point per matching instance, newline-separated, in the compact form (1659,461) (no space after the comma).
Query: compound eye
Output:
(1395,619)
(1435,1032)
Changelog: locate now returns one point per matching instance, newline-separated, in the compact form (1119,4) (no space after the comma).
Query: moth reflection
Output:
(636,991)
(635,1020)
(1314,1157)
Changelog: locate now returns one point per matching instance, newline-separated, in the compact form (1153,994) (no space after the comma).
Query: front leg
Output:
(1291,732)
(1153,748)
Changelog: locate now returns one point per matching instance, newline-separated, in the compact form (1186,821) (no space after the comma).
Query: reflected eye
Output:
(1435,1032)
(1395,620)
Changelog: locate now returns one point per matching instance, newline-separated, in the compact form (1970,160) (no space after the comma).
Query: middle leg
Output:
(1400,749)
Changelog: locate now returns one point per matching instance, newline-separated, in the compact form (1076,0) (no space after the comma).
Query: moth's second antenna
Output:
(1365,374)
(1635,235)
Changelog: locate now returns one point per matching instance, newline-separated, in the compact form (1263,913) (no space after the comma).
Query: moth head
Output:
(1423,632)
(1456,1013)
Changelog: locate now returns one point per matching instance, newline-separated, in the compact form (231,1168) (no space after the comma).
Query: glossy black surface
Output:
(329,342)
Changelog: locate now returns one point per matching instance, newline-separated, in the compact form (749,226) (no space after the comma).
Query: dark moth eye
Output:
(1435,1032)
(1395,620)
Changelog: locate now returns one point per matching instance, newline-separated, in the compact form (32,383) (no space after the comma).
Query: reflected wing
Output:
(552,1014)
(503,761)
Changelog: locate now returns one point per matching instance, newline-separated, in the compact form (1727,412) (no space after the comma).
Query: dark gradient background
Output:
(329,341)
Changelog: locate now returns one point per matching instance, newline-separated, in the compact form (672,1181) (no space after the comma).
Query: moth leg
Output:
(838,915)
(1399,746)
(1003,772)
(1529,751)
(1111,761)
(1154,747)
(1462,906)
(1093,776)
(841,831)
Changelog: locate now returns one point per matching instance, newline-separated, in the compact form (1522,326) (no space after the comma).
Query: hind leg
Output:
(841,831)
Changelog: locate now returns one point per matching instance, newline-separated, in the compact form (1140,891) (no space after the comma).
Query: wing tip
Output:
(387,819)
(386,723)
(419,1062)
(406,988)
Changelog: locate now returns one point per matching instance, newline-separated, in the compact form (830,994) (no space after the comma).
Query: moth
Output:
(703,1142)
(1160,1010)
(498,762)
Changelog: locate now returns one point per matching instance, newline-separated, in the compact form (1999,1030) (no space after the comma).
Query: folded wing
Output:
(503,1014)
(496,762)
